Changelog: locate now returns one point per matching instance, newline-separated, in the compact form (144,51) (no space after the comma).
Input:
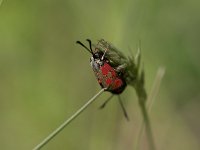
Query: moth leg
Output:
(104,104)
(123,108)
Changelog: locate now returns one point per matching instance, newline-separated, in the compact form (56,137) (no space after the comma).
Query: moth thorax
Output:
(96,63)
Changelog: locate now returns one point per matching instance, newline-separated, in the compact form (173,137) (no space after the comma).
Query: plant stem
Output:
(68,121)
(142,97)
(151,98)
(148,126)
(155,88)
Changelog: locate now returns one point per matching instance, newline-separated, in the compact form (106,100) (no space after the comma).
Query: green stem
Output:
(148,126)
(151,98)
(68,121)
(142,96)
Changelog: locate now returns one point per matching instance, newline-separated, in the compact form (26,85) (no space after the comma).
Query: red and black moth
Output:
(108,75)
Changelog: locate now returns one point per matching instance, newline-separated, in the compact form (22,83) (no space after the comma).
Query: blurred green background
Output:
(45,76)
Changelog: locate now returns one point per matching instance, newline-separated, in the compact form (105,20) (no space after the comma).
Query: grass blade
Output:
(68,121)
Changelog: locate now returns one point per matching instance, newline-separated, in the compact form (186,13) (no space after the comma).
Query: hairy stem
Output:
(68,121)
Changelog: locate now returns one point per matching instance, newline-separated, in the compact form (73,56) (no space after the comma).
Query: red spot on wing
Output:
(117,83)
(108,82)
(105,69)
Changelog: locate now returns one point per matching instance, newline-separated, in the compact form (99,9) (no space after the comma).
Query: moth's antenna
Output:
(90,44)
(90,51)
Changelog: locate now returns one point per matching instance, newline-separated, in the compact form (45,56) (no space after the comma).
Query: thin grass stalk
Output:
(68,121)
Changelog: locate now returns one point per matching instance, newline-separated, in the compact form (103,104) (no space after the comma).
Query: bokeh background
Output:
(45,76)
